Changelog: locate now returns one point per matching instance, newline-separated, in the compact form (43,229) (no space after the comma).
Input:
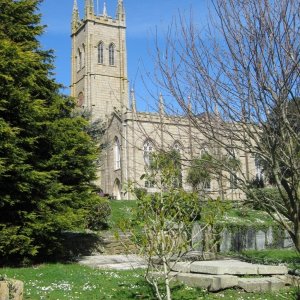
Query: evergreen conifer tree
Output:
(47,158)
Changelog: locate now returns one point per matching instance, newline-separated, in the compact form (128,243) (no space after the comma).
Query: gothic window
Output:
(117,152)
(80,99)
(149,184)
(100,53)
(79,58)
(83,56)
(148,149)
(111,54)
(233,161)
(259,177)
(178,148)
(203,152)
(233,180)
(206,183)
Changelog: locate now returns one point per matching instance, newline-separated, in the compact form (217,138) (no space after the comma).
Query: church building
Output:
(100,84)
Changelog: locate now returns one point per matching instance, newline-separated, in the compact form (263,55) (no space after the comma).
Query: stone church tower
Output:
(99,61)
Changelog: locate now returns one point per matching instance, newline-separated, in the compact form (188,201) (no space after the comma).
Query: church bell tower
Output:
(99,60)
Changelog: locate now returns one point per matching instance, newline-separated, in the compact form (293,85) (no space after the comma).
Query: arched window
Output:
(117,189)
(80,99)
(79,58)
(117,152)
(148,149)
(100,53)
(111,54)
(83,56)
(205,156)
(178,148)
(259,176)
(233,180)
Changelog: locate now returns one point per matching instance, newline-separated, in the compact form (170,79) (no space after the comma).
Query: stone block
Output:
(196,280)
(271,270)
(219,267)
(182,267)
(262,284)
(289,279)
(210,282)
(4,291)
(260,240)
(209,255)
(17,289)
(224,282)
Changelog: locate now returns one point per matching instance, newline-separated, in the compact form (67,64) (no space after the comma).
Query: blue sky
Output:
(143,17)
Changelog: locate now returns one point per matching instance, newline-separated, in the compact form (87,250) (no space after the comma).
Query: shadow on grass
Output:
(63,247)
(77,244)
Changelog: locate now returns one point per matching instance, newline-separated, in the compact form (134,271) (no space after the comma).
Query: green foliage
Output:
(98,215)
(213,210)
(200,171)
(260,197)
(273,256)
(165,170)
(47,157)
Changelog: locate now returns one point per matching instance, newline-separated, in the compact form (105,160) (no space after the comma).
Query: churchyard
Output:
(75,281)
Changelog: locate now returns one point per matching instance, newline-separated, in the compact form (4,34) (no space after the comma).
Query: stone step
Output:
(219,267)
(262,284)
(182,267)
(232,267)
(212,283)
(113,262)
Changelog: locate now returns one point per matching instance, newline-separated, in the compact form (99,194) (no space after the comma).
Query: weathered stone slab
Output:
(260,240)
(11,290)
(210,282)
(289,279)
(219,267)
(262,284)
(224,282)
(182,267)
(4,291)
(113,262)
(271,270)
(17,289)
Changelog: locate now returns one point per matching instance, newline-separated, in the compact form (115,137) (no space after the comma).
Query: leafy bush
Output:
(259,196)
(97,215)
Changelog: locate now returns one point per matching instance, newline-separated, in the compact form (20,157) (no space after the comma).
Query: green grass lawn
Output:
(120,209)
(241,216)
(273,256)
(72,281)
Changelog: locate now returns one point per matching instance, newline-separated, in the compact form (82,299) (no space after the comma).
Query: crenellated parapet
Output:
(91,15)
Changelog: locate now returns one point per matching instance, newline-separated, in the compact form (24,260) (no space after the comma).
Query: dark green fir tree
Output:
(47,157)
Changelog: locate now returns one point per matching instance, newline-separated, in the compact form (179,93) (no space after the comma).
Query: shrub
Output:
(97,215)
(258,196)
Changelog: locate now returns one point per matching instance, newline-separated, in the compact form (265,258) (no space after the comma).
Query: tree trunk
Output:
(296,235)
(166,278)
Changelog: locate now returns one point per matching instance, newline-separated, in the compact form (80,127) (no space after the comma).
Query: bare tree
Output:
(242,78)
